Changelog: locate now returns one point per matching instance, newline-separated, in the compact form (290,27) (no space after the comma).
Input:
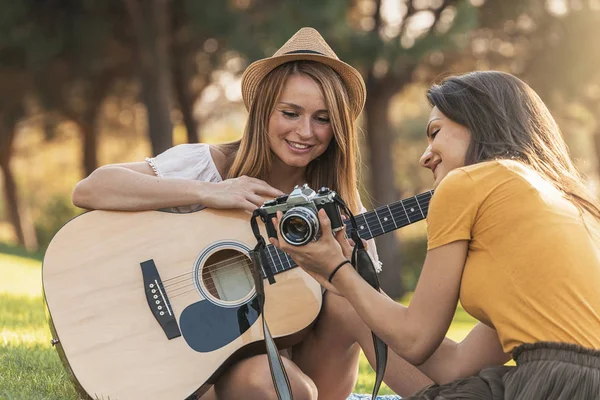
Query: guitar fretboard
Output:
(371,224)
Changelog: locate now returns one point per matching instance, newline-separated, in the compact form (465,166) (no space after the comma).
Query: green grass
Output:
(20,251)
(33,371)
(30,368)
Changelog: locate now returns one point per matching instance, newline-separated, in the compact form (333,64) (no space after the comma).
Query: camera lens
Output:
(299,226)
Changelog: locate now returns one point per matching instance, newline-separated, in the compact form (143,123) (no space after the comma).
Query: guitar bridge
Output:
(158,300)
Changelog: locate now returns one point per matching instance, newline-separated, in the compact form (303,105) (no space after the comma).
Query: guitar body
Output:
(155,305)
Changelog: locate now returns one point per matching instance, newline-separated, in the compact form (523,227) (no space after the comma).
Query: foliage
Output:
(413,258)
(55,213)
(20,251)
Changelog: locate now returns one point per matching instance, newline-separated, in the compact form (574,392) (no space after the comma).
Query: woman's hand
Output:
(347,243)
(243,192)
(318,258)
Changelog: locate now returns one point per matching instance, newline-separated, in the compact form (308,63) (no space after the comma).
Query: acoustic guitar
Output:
(156,305)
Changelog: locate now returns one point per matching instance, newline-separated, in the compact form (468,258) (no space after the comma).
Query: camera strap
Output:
(363,264)
(361,261)
(261,263)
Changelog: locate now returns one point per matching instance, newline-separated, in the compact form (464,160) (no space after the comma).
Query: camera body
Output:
(300,222)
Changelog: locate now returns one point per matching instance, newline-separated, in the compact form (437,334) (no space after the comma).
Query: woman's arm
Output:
(135,187)
(481,348)
(414,332)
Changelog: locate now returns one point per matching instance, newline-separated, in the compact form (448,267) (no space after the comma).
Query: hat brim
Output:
(256,72)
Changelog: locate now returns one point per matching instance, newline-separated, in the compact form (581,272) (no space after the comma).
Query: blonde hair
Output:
(336,168)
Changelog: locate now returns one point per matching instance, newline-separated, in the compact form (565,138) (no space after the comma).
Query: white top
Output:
(186,161)
(194,161)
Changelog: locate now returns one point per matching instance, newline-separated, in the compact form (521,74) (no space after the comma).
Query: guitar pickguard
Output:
(207,327)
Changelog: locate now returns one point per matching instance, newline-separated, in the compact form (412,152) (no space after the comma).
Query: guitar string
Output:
(180,291)
(368,217)
(371,216)
(213,277)
(215,274)
(244,261)
(209,284)
(423,209)
(242,256)
(229,263)
(209,287)
(228,260)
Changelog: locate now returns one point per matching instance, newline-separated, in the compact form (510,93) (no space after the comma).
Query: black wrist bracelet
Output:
(337,268)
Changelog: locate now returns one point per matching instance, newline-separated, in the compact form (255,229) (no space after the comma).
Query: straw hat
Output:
(306,44)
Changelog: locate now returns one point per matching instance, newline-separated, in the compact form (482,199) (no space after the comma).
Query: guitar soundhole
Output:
(227,276)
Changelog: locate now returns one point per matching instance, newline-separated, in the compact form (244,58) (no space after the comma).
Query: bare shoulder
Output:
(220,159)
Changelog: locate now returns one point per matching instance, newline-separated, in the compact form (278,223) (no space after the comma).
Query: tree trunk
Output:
(182,71)
(88,128)
(89,133)
(383,190)
(151,24)
(24,229)
(90,118)
(185,100)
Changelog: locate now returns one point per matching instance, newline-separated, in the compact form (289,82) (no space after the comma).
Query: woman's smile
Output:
(299,147)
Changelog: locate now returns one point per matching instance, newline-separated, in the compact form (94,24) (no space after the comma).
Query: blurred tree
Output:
(13,83)
(151,24)
(71,51)
(183,58)
(199,33)
(561,65)
(65,59)
(179,45)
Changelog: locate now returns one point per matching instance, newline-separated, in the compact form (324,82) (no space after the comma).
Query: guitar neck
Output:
(371,224)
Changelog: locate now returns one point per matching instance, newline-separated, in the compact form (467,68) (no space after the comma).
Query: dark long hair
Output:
(507,119)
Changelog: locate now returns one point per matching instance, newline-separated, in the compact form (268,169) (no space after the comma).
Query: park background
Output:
(85,83)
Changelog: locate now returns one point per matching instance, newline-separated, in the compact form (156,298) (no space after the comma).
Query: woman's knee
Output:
(251,379)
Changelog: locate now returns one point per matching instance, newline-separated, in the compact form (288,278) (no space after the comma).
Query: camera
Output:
(300,222)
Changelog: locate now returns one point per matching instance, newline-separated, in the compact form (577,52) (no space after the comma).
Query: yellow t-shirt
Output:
(533,269)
